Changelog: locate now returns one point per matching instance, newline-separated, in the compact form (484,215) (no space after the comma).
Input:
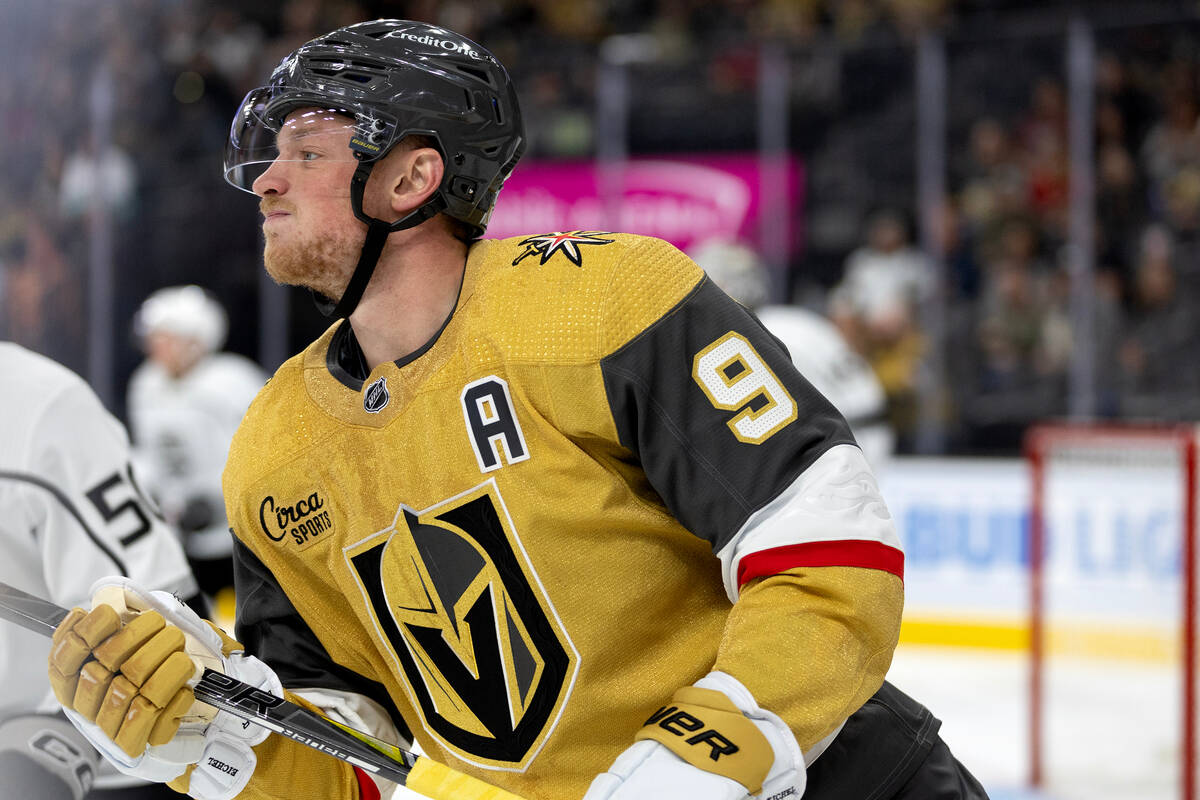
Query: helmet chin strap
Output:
(377,233)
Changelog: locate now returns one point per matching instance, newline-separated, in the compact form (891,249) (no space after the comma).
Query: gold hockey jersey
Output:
(521,539)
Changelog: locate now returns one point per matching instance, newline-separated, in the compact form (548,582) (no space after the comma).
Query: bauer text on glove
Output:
(710,742)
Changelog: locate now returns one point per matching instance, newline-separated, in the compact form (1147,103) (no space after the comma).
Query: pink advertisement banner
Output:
(684,200)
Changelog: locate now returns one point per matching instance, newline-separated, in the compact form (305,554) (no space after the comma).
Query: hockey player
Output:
(555,505)
(70,513)
(818,349)
(185,402)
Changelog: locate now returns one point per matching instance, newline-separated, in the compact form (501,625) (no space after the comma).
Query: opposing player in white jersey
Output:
(817,347)
(70,513)
(185,402)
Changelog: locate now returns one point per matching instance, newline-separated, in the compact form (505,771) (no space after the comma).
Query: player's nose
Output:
(271,181)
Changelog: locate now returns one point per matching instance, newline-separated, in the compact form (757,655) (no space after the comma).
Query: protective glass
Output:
(269,128)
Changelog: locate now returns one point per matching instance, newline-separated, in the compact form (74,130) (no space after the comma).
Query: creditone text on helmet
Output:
(445,44)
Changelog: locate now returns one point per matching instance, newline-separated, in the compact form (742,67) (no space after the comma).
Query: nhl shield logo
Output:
(376,397)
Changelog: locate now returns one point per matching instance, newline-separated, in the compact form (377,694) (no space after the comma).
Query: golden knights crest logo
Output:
(475,640)
(566,243)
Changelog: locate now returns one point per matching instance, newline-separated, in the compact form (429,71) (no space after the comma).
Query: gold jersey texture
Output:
(497,538)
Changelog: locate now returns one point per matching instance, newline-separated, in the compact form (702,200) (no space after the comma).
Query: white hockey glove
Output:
(711,742)
(124,672)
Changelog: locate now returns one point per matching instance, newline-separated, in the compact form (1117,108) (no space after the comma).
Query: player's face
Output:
(312,236)
(175,354)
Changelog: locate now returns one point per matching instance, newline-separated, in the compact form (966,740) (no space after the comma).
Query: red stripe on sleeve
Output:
(367,790)
(846,553)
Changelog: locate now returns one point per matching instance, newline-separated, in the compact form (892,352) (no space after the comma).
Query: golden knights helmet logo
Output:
(477,644)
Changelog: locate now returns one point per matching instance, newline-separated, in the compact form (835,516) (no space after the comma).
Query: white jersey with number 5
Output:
(70,510)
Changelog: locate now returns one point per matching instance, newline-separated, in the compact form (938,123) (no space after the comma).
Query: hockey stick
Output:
(418,773)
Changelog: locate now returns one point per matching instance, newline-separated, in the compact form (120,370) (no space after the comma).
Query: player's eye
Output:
(309,155)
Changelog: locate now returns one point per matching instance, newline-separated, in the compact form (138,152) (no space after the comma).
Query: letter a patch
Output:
(492,424)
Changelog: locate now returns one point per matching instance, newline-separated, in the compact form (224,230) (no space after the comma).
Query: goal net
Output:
(1112,611)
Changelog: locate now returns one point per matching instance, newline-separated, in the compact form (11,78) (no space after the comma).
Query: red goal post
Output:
(1119,447)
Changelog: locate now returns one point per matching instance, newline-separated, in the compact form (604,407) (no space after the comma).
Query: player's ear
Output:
(418,175)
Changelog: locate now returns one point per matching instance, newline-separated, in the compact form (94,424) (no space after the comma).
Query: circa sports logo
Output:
(304,520)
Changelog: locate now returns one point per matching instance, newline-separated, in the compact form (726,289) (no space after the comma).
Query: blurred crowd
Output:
(171,72)
(1003,241)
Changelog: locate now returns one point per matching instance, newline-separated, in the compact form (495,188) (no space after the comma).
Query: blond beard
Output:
(323,264)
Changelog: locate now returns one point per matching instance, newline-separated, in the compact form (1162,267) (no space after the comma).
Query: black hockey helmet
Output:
(395,78)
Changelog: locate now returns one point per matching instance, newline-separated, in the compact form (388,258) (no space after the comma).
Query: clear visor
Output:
(268,129)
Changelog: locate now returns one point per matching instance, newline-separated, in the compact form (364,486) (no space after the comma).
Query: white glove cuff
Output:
(781,738)
(650,769)
(224,770)
(145,766)
(787,778)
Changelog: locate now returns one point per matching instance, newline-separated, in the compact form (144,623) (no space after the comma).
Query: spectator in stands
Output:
(1042,136)
(41,294)
(1131,105)
(91,175)
(993,181)
(1181,215)
(1120,205)
(1017,238)
(956,242)
(887,270)
(1007,356)
(1046,115)
(1173,142)
(1159,372)
(876,306)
